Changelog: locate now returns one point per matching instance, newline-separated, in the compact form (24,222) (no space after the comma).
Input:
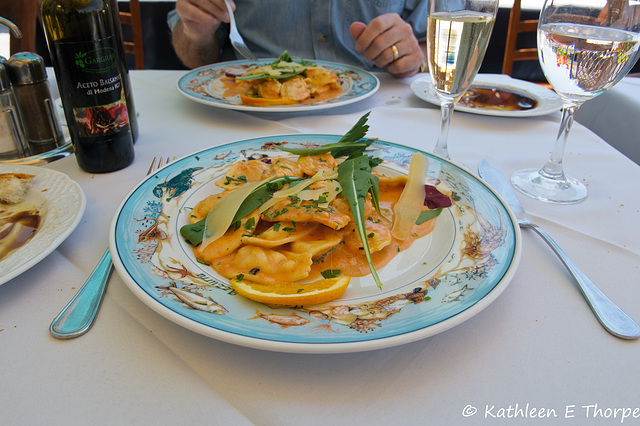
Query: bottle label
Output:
(93,86)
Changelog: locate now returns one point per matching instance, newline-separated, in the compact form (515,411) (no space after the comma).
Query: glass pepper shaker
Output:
(12,140)
(31,87)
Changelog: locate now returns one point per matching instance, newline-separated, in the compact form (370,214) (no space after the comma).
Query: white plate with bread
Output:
(39,208)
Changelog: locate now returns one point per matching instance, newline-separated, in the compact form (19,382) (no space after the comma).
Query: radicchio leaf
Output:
(435,199)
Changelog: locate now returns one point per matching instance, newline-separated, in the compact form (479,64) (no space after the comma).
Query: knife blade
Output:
(611,317)
(497,181)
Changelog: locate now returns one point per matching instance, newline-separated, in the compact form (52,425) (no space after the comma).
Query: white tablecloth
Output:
(537,351)
(614,117)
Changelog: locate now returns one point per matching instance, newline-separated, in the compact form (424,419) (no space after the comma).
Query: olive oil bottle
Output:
(86,56)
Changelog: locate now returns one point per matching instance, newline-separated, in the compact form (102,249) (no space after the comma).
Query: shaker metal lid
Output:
(5,82)
(26,68)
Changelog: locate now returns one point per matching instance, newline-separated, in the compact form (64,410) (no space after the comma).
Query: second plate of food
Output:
(218,85)
(498,95)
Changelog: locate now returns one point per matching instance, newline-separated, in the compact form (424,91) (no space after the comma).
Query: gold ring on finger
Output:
(396,55)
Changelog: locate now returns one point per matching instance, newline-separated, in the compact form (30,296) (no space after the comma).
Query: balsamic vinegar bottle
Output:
(85,54)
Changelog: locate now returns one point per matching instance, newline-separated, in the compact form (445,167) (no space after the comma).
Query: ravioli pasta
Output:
(306,230)
(311,85)
(284,82)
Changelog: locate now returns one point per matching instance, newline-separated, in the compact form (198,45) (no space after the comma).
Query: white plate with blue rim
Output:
(443,280)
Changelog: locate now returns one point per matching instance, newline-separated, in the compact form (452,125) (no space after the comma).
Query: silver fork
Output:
(236,39)
(78,316)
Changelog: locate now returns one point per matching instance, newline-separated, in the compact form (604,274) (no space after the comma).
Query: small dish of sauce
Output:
(490,98)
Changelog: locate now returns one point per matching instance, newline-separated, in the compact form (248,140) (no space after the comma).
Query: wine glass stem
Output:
(446,109)
(553,169)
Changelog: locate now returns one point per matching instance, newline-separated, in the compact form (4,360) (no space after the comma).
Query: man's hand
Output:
(377,41)
(194,36)
(201,18)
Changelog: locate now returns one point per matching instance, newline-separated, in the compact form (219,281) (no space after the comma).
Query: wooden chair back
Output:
(516,26)
(24,14)
(133,20)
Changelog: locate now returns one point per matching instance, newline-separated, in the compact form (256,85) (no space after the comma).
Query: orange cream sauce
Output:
(351,261)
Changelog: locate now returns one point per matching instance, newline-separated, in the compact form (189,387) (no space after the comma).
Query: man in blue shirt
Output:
(381,34)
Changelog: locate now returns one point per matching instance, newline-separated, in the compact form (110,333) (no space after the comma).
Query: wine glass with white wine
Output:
(585,47)
(458,33)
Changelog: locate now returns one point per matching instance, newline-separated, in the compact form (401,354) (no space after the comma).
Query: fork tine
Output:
(159,164)
(152,166)
(243,50)
(247,53)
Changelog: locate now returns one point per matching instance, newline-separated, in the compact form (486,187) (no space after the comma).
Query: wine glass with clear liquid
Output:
(458,33)
(585,47)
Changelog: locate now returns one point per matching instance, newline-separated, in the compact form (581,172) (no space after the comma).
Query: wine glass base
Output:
(562,191)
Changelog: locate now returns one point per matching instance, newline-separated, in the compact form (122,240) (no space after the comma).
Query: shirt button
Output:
(323,38)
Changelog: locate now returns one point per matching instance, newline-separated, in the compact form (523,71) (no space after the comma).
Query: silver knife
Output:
(612,318)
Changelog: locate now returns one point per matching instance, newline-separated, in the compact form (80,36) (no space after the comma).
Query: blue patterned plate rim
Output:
(459,269)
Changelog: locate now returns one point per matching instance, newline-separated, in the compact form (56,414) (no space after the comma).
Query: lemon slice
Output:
(290,293)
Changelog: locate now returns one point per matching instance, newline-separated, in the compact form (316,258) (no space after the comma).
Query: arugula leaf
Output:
(290,71)
(193,233)
(253,76)
(284,56)
(351,149)
(356,180)
(354,176)
(342,148)
(428,215)
(262,194)
(280,76)
(358,131)
(374,190)
(351,144)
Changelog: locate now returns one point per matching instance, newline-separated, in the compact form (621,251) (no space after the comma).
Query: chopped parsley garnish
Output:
(330,273)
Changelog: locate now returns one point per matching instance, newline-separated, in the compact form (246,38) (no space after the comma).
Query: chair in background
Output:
(134,22)
(516,26)
(24,14)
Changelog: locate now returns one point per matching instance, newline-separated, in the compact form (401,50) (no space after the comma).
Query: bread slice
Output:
(14,186)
